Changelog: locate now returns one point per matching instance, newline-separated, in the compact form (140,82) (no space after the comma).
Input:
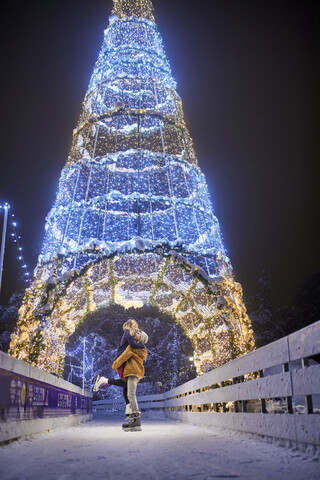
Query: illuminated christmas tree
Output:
(132,223)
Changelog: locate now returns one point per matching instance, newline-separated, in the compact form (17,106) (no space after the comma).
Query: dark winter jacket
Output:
(133,359)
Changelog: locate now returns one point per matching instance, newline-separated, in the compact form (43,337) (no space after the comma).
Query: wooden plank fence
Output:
(273,391)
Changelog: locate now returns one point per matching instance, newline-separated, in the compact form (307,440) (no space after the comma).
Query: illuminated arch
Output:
(216,324)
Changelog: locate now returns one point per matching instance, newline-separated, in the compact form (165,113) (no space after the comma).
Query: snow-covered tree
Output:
(261,311)
(307,299)
(8,319)
(270,324)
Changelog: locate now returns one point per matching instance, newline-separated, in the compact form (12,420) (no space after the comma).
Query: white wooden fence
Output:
(273,391)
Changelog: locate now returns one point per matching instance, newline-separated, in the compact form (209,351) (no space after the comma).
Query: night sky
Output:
(248,75)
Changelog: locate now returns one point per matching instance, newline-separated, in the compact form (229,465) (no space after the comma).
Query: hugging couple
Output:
(129,363)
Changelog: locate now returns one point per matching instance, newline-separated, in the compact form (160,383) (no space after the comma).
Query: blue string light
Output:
(132,197)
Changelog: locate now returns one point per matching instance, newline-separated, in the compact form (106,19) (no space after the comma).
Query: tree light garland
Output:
(16,238)
(133,222)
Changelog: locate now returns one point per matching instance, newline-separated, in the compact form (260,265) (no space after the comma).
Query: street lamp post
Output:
(3,241)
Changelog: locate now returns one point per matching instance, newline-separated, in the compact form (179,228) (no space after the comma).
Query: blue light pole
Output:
(83,364)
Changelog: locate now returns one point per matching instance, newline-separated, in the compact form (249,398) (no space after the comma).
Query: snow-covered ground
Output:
(163,450)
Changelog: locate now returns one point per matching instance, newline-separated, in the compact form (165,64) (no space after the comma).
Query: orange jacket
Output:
(133,359)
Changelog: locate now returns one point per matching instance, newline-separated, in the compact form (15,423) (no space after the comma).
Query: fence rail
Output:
(273,391)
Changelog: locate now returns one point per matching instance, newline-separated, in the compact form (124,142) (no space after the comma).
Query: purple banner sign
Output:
(23,398)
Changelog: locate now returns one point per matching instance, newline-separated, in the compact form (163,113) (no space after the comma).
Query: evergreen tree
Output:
(261,312)
(307,300)
(8,319)
(270,325)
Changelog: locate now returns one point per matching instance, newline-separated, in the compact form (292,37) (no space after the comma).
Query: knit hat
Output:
(144,337)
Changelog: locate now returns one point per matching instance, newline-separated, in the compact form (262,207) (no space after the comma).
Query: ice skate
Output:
(99,382)
(133,424)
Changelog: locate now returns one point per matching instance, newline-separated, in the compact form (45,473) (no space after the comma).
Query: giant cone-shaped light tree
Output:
(132,223)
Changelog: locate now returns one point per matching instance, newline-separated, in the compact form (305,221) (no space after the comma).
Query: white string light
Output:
(16,238)
(132,184)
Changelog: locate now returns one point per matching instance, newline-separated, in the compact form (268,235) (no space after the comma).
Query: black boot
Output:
(133,424)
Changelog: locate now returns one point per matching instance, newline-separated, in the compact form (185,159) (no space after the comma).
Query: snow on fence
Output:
(273,391)
(33,401)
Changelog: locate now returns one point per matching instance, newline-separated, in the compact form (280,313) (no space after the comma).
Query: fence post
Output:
(262,400)
(308,398)
(224,408)
(285,368)
(236,403)
(244,402)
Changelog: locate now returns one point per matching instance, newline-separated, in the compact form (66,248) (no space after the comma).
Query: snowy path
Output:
(164,450)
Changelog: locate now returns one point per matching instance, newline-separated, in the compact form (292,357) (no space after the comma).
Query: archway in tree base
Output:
(209,309)
(97,338)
